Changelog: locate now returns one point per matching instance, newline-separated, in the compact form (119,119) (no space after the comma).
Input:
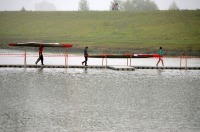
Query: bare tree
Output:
(173,6)
(83,5)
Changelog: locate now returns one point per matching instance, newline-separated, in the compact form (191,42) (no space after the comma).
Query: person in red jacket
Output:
(40,56)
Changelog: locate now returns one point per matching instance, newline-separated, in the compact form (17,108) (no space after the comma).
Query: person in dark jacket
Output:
(86,56)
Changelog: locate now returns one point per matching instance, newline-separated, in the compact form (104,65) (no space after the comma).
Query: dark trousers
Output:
(86,59)
(40,58)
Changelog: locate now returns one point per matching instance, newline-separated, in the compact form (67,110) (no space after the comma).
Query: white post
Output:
(106,61)
(25,57)
(66,57)
(180,58)
(186,61)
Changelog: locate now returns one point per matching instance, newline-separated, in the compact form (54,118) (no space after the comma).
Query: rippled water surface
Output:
(99,100)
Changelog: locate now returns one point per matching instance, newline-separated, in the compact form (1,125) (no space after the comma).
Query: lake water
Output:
(62,100)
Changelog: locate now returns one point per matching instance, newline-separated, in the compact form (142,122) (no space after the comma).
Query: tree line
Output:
(116,5)
(128,5)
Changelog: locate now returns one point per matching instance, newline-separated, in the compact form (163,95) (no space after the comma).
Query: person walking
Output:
(86,56)
(40,56)
(160,57)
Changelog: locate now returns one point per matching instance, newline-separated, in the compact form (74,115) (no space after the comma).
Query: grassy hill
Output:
(173,30)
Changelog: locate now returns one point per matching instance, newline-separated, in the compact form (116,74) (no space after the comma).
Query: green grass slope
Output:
(174,30)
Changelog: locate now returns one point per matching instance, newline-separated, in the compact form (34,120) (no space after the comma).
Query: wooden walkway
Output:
(119,68)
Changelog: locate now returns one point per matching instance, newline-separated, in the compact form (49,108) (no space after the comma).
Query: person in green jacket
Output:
(160,57)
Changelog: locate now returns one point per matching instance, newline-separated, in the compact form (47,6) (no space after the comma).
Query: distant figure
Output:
(40,56)
(86,56)
(160,57)
(115,6)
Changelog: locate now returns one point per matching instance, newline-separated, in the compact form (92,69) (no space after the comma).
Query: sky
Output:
(72,5)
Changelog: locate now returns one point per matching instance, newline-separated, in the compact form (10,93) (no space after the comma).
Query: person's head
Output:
(86,47)
(160,47)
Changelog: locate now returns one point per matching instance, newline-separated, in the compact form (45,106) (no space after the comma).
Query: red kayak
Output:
(36,44)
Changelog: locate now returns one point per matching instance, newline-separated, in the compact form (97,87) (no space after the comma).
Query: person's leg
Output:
(41,58)
(86,61)
(83,62)
(162,62)
(158,62)
(42,61)
(37,60)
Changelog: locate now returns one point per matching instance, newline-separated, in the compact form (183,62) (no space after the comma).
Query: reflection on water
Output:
(99,100)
